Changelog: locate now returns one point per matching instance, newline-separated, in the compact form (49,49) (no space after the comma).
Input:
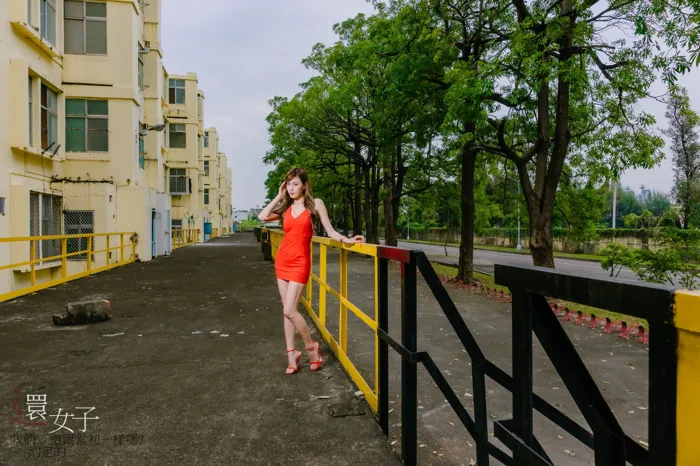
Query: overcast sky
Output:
(246,52)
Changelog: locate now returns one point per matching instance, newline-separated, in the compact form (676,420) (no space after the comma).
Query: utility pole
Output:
(614,206)
(519,246)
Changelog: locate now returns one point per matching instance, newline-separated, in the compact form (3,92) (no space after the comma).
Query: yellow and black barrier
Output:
(40,262)
(674,358)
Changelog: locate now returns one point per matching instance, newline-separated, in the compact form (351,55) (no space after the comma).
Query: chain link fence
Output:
(79,222)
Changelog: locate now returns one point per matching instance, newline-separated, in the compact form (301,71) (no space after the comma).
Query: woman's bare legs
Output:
(290,293)
(288,326)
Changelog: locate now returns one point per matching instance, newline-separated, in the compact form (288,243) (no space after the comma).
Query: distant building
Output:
(239,216)
(253,213)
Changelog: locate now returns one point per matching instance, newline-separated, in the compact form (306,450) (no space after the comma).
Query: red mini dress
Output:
(293,261)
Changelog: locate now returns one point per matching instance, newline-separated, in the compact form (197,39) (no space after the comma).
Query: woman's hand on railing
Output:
(354,240)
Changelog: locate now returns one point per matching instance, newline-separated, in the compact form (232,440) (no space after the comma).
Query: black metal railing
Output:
(530,287)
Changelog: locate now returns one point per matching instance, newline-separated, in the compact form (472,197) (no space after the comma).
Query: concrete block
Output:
(85,312)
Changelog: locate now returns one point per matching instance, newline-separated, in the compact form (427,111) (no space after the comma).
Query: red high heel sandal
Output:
(315,365)
(292,370)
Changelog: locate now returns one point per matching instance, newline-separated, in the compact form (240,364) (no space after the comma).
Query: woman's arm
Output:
(265,215)
(325,221)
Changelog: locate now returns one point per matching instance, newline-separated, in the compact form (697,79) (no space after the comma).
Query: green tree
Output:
(685,146)
(581,208)
(573,98)
(658,203)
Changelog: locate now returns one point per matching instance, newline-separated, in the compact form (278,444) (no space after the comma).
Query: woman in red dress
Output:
(299,212)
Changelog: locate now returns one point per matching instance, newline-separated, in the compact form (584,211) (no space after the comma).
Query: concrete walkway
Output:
(189,371)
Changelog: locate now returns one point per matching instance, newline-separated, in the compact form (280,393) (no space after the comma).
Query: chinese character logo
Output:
(36,410)
(36,414)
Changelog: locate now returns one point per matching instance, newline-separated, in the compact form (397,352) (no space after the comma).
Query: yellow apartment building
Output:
(185,143)
(32,147)
(224,198)
(95,136)
(216,195)
(228,212)
(210,176)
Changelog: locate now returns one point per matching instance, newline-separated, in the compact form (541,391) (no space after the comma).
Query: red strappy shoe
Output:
(291,370)
(315,365)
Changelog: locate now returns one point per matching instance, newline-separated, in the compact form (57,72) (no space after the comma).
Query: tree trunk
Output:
(541,200)
(357,220)
(390,238)
(466,244)
(541,244)
(687,205)
(375,205)
(397,186)
(368,199)
(346,218)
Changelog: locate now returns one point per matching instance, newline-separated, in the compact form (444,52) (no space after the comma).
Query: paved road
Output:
(484,261)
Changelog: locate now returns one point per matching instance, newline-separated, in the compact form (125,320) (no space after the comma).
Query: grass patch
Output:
(488,280)
(562,255)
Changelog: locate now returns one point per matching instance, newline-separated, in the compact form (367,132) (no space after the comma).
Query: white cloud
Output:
(244,53)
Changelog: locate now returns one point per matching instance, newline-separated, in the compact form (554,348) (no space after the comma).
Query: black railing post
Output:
(663,390)
(409,372)
(522,374)
(266,246)
(383,324)
(480,416)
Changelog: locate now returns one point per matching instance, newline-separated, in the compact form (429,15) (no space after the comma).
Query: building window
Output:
(176,224)
(206,168)
(45,220)
(206,197)
(140,71)
(48,21)
(179,183)
(177,91)
(79,222)
(85,28)
(30,96)
(206,139)
(87,125)
(49,117)
(2,206)
(29,11)
(178,136)
(142,152)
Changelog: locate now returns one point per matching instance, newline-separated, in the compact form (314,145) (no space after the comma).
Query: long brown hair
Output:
(309,204)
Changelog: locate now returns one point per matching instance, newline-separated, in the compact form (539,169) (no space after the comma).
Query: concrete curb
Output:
(522,253)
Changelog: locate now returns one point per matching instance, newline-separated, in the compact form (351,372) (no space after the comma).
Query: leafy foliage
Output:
(676,262)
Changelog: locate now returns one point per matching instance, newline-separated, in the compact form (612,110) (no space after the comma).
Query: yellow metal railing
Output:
(340,347)
(40,272)
(182,238)
(687,321)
